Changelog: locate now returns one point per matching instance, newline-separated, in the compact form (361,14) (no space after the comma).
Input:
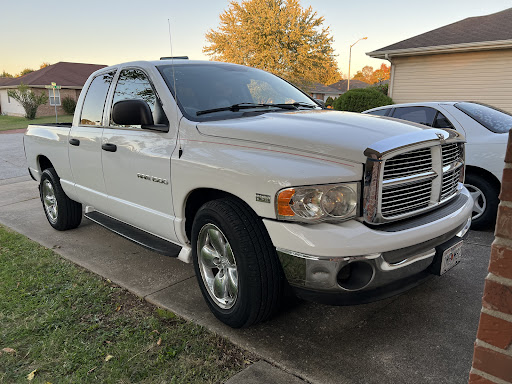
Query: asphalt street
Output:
(425,335)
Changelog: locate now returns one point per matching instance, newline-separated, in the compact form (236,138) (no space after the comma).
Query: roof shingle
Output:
(62,73)
(493,27)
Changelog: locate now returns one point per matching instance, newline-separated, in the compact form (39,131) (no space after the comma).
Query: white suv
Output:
(485,130)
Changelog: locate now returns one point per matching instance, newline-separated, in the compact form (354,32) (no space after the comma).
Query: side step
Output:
(147,240)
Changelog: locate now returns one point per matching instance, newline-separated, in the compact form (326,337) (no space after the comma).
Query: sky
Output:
(111,31)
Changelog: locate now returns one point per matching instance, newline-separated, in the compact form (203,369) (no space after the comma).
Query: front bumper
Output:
(380,261)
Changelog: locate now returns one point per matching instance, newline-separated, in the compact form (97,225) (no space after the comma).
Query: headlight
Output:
(318,203)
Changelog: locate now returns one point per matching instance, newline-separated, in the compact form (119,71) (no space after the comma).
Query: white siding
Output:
(484,76)
(12,108)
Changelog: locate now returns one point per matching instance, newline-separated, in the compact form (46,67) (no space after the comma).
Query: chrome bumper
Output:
(345,275)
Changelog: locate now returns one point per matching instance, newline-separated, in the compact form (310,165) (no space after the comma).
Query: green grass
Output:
(14,122)
(63,322)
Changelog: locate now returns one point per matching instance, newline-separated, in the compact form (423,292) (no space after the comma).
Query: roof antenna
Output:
(180,151)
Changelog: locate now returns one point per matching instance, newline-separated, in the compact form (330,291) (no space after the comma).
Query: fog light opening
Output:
(355,276)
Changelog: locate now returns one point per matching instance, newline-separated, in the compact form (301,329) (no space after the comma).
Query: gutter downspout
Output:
(392,76)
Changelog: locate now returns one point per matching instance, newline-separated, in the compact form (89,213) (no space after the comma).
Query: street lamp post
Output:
(349,59)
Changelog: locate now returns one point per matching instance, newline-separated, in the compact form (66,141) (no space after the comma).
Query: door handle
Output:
(109,147)
(74,142)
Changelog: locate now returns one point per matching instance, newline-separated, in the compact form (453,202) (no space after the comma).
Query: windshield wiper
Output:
(239,106)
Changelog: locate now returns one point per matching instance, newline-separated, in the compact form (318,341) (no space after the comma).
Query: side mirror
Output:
(136,112)
(132,112)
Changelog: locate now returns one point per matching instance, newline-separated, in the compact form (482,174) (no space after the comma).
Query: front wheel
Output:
(235,262)
(62,212)
(485,201)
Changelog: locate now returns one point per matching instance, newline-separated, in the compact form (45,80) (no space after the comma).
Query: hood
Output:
(342,135)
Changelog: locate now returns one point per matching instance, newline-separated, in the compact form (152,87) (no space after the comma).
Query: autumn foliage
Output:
(278,36)
(368,75)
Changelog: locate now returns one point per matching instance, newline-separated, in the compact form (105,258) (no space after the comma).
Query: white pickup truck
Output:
(256,184)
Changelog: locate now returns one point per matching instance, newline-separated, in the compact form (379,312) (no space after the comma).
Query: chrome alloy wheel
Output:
(50,201)
(218,266)
(479,201)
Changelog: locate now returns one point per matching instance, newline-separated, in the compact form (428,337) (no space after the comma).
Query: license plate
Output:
(451,257)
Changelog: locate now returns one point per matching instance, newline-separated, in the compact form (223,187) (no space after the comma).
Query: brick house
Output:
(322,92)
(466,60)
(70,76)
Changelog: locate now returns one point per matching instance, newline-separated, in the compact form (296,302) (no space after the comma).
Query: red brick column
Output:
(492,359)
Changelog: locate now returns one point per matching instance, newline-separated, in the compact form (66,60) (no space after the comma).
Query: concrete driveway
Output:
(425,335)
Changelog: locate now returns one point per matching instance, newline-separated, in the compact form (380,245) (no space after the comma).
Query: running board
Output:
(138,236)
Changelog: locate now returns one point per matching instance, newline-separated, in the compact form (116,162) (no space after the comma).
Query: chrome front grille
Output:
(400,184)
(408,163)
(400,199)
(450,182)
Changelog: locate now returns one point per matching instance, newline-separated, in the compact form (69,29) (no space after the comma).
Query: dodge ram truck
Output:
(244,175)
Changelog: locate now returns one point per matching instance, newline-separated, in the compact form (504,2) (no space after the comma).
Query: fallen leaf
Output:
(31,375)
(108,357)
(155,331)
(159,341)
(109,281)
(8,350)
(119,308)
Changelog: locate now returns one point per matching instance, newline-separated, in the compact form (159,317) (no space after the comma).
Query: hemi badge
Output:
(263,198)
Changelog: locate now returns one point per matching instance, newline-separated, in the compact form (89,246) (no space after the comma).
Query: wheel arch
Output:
(195,200)
(477,171)
(44,163)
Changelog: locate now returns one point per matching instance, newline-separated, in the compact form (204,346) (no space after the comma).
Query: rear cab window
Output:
(94,101)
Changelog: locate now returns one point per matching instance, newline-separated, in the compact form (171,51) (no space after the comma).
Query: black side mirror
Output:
(136,112)
(132,112)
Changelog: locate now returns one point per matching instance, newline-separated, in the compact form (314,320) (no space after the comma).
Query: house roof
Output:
(341,85)
(320,88)
(68,75)
(494,30)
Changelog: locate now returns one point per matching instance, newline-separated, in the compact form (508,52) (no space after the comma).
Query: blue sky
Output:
(110,32)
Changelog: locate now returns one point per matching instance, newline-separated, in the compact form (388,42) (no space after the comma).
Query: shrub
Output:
(28,100)
(359,100)
(329,101)
(384,88)
(68,105)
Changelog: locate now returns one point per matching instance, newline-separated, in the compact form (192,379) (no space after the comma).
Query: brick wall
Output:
(492,358)
(49,110)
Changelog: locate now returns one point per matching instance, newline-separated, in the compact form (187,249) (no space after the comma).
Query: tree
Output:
(365,74)
(5,74)
(28,100)
(44,65)
(368,75)
(383,73)
(24,72)
(278,36)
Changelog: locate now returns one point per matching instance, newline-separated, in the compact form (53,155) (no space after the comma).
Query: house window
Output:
(54,100)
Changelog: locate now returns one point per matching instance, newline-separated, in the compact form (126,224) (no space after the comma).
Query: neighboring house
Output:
(70,76)
(342,85)
(322,92)
(467,60)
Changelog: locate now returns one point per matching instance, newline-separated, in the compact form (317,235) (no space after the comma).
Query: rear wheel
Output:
(62,212)
(485,201)
(235,262)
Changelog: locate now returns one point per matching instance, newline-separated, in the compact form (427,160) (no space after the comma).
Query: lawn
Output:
(14,122)
(63,324)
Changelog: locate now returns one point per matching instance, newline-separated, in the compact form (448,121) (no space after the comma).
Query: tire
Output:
(62,212)
(485,196)
(242,282)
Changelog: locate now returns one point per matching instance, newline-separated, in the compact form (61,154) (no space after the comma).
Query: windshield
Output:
(493,119)
(213,91)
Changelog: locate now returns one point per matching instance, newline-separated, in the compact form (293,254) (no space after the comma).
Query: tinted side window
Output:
(421,115)
(442,122)
(379,112)
(134,84)
(94,101)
